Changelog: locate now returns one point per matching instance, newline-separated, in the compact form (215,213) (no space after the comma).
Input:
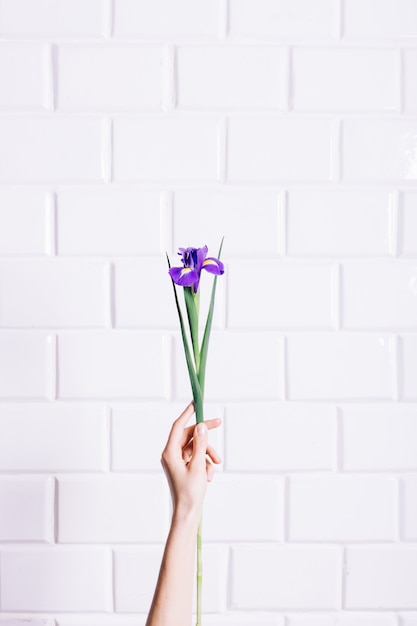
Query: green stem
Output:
(199,573)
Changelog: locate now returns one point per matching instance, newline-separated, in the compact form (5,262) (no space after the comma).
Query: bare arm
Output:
(187,460)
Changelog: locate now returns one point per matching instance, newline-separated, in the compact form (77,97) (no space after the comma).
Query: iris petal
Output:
(214,266)
(184,276)
(201,255)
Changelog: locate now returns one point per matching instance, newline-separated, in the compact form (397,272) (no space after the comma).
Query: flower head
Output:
(194,260)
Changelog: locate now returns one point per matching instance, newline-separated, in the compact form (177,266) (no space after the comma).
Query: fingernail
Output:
(201,429)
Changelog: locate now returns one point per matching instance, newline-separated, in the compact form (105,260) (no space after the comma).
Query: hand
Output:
(188,462)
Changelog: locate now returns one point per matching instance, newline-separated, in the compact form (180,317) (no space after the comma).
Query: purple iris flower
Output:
(194,260)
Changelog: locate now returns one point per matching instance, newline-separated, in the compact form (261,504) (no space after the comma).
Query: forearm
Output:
(172,601)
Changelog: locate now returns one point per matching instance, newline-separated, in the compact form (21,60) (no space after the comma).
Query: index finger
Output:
(176,435)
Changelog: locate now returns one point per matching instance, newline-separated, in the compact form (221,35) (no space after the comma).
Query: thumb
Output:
(200,441)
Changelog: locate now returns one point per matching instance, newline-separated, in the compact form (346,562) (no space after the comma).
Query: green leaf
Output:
(192,312)
(207,331)
(195,385)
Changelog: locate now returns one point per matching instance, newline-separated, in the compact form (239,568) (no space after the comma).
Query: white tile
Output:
(409,485)
(102,77)
(43,149)
(139,435)
(51,17)
(372,19)
(271,149)
(286,577)
(51,293)
(187,18)
(294,295)
(407,367)
(22,75)
(26,504)
(341,508)
(137,284)
(410,88)
(239,365)
(55,579)
(287,19)
(332,79)
(25,365)
(408,224)
(116,509)
(379,438)
(131,565)
(237,618)
(379,295)
(338,222)
(219,212)
(24,622)
(122,365)
(239,77)
(288,437)
(381,578)
(23,221)
(108,222)
(343,619)
(56,438)
(165,148)
(388,153)
(340,366)
(230,494)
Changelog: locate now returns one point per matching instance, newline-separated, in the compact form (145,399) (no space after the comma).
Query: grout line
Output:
(51,224)
(110,295)
(339,20)
(339,440)
(52,485)
(107,150)
(401,79)
(56,367)
(336,296)
(226,314)
(167,366)
(52,367)
(282,234)
(109,438)
(336,150)
(286,81)
(222,131)
(112,591)
(223,16)
(283,383)
(401,510)
(50,77)
(394,352)
(166,208)
(229,585)
(169,82)
(56,510)
(286,509)
(345,574)
(223,302)
(108,19)
(394,212)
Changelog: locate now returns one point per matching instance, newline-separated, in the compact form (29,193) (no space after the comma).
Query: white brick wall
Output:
(128,128)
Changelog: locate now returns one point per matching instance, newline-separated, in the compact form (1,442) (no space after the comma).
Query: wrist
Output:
(186,517)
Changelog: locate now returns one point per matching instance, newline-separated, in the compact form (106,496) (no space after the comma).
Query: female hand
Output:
(188,462)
